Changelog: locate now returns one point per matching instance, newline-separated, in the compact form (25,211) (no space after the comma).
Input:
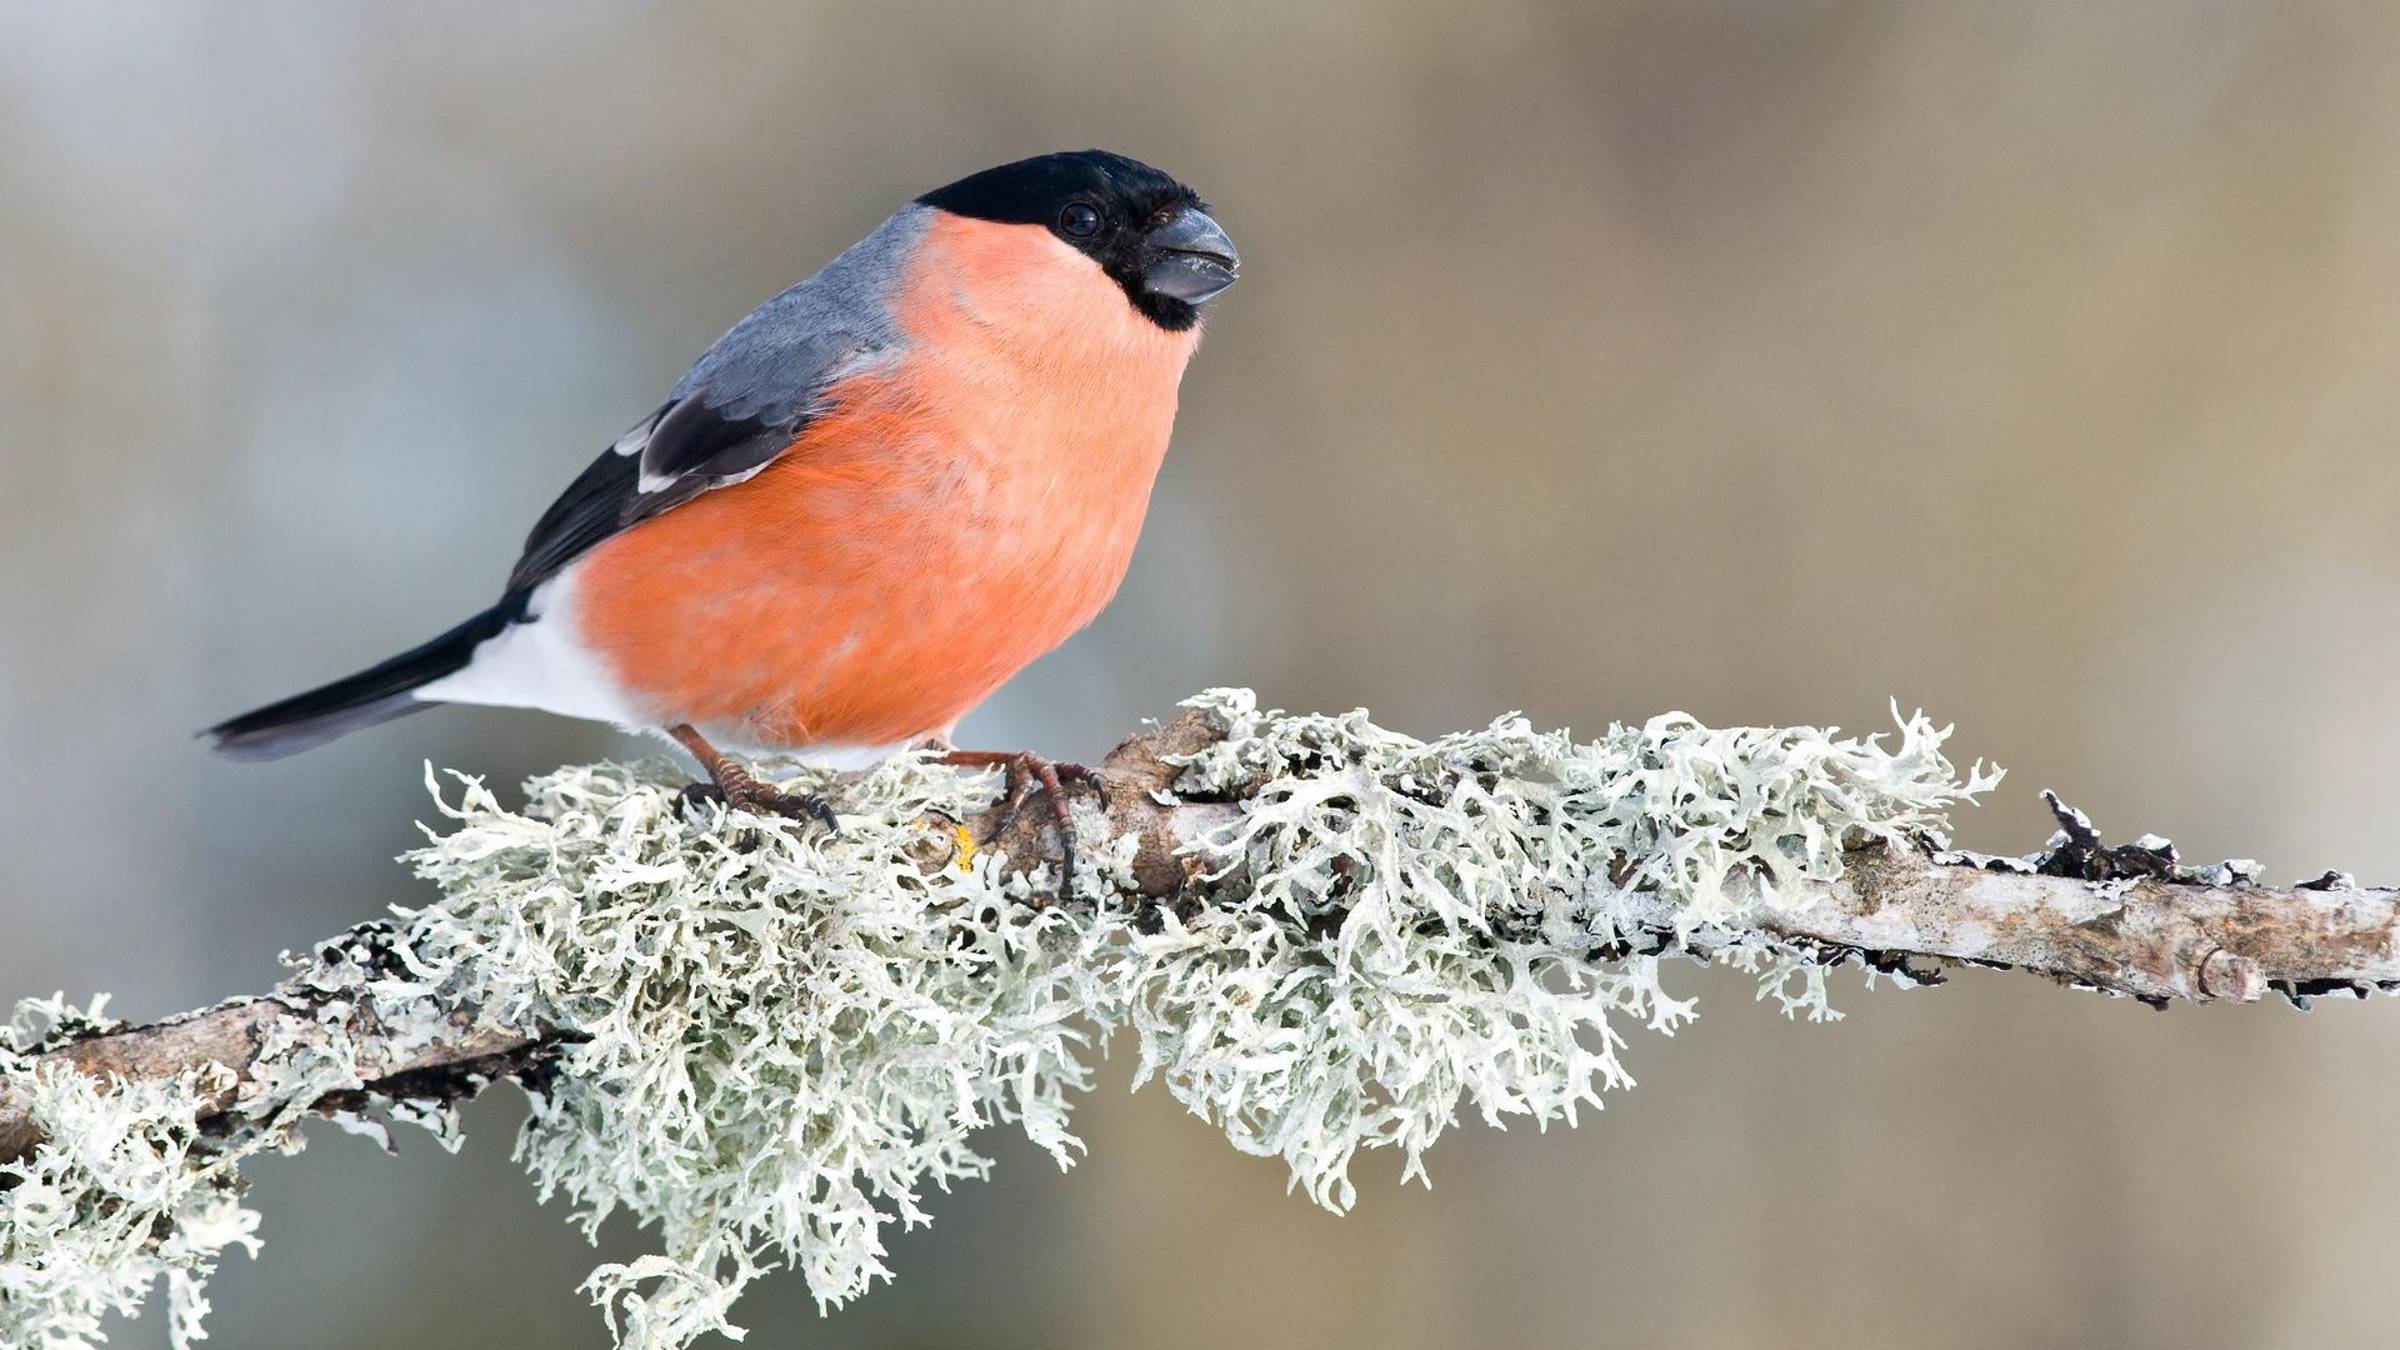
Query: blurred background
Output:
(2034,363)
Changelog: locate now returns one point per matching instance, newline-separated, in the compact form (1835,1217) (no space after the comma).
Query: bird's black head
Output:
(1150,233)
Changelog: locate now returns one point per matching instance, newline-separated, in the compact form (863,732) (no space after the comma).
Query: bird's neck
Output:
(1046,344)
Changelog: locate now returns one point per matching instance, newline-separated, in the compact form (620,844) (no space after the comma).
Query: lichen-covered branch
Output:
(232,1035)
(766,1041)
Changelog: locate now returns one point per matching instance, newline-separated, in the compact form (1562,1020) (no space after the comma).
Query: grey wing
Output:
(730,417)
(739,407)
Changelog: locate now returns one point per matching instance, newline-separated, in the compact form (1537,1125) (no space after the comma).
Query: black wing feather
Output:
(695,438)
(691,444)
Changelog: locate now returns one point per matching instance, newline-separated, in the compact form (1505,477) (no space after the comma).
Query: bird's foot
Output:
(1027,773)
(740,789)
(736,787)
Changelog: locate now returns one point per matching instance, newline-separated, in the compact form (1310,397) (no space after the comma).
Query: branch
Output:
(2153,938)
(1325,936)
(2128,922)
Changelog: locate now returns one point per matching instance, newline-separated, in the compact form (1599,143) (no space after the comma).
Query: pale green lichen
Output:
(781,1039)
(788,1036)
(123,1196)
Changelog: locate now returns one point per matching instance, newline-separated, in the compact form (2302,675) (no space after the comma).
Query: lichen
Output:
(124,1196)
(786,1037)
(130,1185)
(779,1041)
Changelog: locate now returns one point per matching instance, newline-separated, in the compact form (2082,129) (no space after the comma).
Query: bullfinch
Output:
(875,499)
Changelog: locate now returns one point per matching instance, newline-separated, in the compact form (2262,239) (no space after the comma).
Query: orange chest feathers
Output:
(953,516)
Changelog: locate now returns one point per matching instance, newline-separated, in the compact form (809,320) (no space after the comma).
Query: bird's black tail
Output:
(376,694)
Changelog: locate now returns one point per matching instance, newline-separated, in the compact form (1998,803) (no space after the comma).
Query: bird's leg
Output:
(738,788)
(1027,772)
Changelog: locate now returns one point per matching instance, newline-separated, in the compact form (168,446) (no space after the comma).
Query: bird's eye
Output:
(1080,219)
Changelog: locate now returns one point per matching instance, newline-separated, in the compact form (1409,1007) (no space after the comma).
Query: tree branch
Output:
(2129,920)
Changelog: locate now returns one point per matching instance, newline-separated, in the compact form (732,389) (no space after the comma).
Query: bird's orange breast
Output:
(955,515)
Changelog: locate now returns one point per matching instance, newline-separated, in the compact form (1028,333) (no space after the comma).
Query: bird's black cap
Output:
(1135,221)
(1033,191)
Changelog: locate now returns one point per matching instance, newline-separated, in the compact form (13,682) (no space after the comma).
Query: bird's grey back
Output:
(835,323)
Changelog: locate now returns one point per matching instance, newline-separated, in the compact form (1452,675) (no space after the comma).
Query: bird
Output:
(866,507)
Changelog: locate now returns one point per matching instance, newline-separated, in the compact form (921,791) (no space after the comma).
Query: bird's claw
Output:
(737,789)
(1090,777)
(1027,773)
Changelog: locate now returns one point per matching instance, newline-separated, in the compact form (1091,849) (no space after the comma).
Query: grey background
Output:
(2034,363)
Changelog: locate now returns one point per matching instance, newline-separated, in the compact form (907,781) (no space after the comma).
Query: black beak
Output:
(1190,257)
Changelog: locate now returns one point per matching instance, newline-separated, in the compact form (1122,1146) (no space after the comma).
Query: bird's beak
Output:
(1190,257)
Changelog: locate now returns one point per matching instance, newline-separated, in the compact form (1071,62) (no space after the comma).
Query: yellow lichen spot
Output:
(966,847)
